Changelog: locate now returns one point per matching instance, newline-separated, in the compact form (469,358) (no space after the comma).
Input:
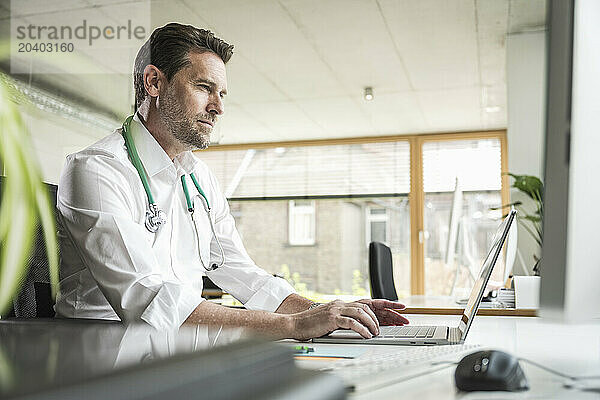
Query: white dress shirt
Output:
(112,267)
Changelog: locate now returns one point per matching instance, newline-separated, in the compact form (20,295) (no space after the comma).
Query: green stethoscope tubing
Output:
(187,194)
(135,158)
(154,216)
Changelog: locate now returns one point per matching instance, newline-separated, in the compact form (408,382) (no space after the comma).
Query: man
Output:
(115,268)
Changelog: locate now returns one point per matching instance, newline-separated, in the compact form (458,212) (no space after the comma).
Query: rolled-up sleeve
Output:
(98,209)
(240,276)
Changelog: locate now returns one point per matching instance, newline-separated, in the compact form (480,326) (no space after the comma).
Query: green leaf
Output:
(532,218)
(530,185)
(24,202)
(513,204)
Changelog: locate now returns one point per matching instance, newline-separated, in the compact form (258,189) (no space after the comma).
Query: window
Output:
(301,230)
(337,263)
(395,190)
(281,195)
(475,165)
(297,172)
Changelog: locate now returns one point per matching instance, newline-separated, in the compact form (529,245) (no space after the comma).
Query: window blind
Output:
(476,163)
(345,169)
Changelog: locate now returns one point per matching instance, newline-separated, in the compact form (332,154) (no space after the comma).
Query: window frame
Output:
(417,194)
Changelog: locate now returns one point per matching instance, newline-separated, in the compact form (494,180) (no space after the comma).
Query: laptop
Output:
(435,335)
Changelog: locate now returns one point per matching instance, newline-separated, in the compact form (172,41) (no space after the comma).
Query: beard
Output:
(185,128)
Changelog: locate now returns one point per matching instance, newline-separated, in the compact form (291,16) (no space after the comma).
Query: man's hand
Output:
(387,312)
(363,317)
(335,315)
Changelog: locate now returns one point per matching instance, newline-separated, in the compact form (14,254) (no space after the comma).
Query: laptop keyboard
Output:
(406,331)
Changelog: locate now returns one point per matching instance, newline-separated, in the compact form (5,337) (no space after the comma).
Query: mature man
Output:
(122,260)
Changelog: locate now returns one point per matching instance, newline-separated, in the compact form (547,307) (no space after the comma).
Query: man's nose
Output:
(216,105)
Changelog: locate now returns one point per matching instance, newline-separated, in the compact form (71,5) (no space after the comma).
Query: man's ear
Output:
(153,80)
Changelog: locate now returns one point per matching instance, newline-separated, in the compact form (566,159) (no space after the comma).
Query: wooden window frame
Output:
(417,194)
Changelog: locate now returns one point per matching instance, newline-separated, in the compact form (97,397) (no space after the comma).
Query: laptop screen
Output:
(485,273)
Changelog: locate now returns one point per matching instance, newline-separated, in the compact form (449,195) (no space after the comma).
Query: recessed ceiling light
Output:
(368,93)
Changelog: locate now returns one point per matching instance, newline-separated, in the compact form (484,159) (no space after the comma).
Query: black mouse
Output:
(490,370)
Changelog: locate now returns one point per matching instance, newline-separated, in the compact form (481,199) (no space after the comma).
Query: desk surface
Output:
(446,305)
(91,349)
(435,305)
(571,349)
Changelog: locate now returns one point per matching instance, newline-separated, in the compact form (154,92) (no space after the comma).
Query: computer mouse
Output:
(490,370)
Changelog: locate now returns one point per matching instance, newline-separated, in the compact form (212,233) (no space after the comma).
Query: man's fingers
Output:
(380,303)
(351,323)
(366,308)
(363,317)
(397,317)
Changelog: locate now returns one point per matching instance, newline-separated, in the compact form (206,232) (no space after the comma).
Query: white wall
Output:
(53,138)
(526,97)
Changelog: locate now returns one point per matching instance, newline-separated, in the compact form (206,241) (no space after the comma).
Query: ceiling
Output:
(300,66)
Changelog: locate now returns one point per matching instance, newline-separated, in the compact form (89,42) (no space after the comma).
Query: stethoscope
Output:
(155,217)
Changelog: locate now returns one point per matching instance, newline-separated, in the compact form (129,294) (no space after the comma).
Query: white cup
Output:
(527,291)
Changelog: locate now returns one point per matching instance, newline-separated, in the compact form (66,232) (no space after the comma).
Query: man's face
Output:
(193,100)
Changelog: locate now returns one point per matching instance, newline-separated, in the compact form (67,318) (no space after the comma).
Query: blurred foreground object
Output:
(93,359)
(24,202)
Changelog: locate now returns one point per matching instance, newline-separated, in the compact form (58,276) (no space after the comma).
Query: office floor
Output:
(571,349)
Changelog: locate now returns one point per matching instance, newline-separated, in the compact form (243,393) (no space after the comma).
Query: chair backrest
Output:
(35,300)
(381,272)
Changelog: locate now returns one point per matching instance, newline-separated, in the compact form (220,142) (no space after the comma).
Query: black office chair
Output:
(381,272)
(35,299)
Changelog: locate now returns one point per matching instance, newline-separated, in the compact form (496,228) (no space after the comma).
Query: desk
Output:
(446,305)
(571,349)
(434,305)
(72,359)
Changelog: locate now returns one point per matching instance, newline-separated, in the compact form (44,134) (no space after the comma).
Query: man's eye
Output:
(204,87)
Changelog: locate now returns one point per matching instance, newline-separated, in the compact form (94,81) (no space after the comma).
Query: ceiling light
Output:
(368,93)
(60,106)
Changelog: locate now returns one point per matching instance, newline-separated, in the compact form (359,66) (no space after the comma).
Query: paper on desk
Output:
(333,352)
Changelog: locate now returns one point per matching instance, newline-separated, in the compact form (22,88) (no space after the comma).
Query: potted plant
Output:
(527,287)
(533,188)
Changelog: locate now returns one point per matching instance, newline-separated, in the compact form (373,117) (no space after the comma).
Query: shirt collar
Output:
(153,156)
(187,161)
